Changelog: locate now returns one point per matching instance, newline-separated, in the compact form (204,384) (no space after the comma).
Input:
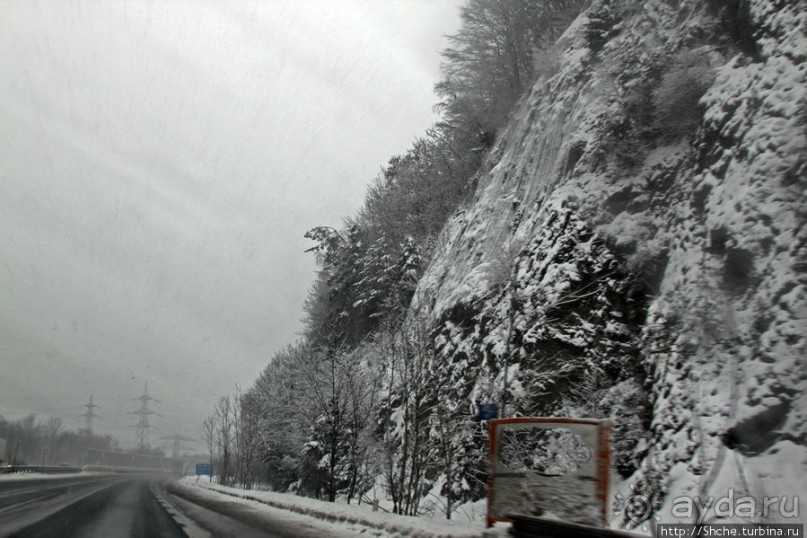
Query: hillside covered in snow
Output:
(641,226)
(627,241)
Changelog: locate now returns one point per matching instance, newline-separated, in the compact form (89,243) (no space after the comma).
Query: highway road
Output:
(119,507)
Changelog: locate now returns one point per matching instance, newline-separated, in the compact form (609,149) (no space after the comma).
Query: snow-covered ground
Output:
(338,519)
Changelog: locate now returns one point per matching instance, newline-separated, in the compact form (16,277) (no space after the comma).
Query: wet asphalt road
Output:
(123,509)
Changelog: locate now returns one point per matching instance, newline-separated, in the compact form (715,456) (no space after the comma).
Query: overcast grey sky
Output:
(159,165)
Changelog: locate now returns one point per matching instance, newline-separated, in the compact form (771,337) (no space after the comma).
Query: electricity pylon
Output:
(177,439)
(143,413)
(89,415)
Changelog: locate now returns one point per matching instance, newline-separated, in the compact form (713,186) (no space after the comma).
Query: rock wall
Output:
(636,248)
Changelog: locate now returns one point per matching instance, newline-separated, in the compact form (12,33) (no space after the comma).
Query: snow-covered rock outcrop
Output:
(637,242)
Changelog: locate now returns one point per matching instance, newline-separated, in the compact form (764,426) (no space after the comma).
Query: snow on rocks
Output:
(647,203)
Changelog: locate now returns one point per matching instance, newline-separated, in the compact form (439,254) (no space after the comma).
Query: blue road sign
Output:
(204,468)
(487,411)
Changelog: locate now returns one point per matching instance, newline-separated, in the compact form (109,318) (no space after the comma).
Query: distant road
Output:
(124,508)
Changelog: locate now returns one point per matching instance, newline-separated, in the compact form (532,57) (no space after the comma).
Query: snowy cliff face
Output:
(637,247)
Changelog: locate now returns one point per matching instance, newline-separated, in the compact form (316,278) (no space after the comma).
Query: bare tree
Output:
(209,431)
(503,273)
(327,384)
(363,380)
(224,414)
(53,430)
(250,422)
(410,406)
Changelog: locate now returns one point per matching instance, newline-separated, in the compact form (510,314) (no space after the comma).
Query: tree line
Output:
(30,441)
(355,404)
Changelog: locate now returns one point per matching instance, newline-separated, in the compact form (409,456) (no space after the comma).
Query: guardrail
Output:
(44,469)
(531,526)
(118,469)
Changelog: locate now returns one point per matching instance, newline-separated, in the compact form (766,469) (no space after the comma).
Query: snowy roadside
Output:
(342,517)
